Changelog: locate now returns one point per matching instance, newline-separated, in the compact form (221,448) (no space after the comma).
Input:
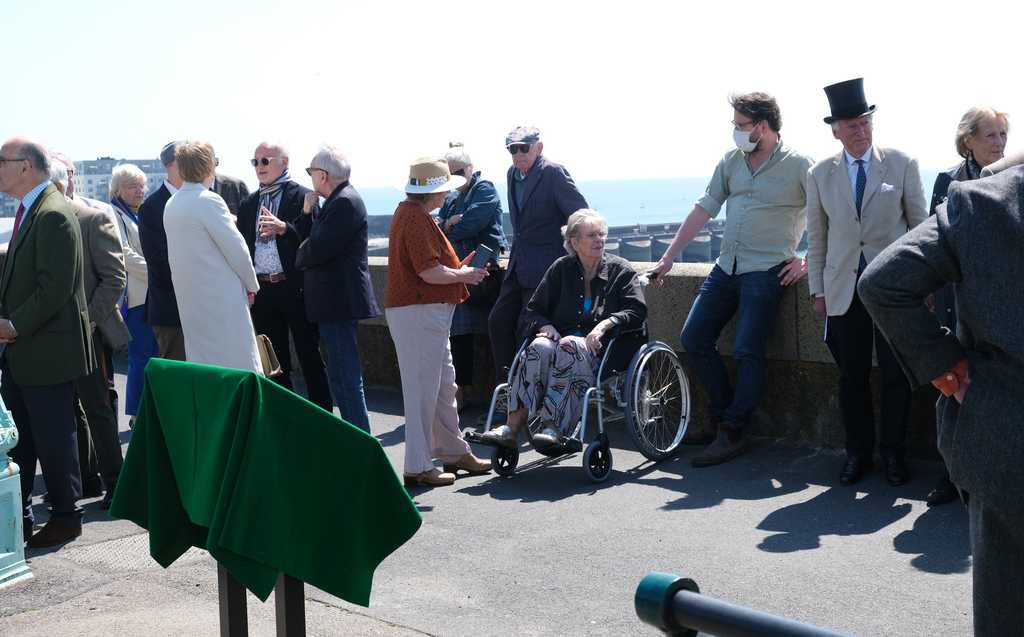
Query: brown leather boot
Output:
(704,434)
(729,444)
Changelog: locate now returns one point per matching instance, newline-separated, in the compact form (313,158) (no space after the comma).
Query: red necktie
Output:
(17,224)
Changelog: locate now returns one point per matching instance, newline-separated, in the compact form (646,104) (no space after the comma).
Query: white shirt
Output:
(851,168)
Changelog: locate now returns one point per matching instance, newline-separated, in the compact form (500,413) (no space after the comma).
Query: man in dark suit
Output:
(161,305)
(267,221)
(974,242)
(336,281)
(859,202)
(231,189)
(541,196)
(99,447)
(44,322)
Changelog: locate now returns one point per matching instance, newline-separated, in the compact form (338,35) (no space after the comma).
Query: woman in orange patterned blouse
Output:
(425,283)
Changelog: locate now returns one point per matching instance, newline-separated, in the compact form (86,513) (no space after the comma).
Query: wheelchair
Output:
(652,395)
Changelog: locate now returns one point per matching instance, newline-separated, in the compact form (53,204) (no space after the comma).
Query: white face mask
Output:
(742,140)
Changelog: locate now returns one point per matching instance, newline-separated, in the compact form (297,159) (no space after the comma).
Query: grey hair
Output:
(332,160)
(59,175)
(123,176)
(61,156)
(283,147)
(577,221)
(458,153)
(37,155)
(971,123)
(835,124)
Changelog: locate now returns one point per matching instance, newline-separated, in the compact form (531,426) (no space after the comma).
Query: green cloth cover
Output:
(229,461)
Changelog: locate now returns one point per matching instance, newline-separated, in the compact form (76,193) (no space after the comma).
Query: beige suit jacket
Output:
(134,261)
(893,202)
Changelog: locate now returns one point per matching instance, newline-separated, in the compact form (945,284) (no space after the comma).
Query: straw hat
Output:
(430,174)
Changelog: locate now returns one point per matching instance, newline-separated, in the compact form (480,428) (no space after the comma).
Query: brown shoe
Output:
(52,535)
(729,444)
(470,464)
(702,435)
(432,478)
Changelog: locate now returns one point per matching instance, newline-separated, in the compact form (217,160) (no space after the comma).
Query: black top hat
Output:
(847,101)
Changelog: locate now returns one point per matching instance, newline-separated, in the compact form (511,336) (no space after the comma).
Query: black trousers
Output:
(275,311)
(851,337)
(45,416)
(101,420)
(506,323)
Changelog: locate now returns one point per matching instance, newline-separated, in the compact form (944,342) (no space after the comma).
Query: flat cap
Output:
(523,135)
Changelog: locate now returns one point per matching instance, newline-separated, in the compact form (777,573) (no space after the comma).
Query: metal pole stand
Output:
(289,600)
(675,606)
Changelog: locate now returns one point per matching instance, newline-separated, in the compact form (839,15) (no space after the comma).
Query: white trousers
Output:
(420,333)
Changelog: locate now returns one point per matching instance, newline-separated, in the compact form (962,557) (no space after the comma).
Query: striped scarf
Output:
(268,195)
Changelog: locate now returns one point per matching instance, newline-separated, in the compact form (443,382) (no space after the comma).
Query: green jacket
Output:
(42,292)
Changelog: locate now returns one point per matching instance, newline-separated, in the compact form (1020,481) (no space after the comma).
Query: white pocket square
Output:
(886,189)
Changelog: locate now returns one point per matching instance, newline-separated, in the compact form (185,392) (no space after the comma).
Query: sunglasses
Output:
(311,170)
(519,148)
(265,161)
(461,172)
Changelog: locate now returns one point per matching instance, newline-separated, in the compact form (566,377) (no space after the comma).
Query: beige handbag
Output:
(268,357)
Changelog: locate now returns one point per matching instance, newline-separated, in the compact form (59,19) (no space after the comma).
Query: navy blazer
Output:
(549,197)
(334,259)
(289,211)
(161,304)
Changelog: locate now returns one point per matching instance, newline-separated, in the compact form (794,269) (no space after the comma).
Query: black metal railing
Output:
(675,606)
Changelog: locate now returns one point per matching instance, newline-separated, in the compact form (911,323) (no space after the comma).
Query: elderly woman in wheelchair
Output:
(581,299)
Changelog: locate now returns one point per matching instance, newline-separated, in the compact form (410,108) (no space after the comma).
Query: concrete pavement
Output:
(546,552)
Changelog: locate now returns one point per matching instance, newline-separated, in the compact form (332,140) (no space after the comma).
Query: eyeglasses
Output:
(738,126)
(3,159)
(311,170)
(461,172)
(519,148)
(265,161)
(593,236)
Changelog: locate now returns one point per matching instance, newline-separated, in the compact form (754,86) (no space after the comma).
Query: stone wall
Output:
(800,397)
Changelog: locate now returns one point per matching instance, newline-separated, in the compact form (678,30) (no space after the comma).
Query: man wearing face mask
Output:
(763,181)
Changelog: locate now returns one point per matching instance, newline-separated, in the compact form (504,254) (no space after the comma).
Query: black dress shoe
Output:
(27,528)
(854,470)
(52,535)
(896,471)
(943,493)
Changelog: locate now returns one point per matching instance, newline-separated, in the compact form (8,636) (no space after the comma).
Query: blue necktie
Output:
(862,181)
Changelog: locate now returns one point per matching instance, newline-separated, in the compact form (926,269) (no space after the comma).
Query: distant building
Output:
(92,177)
(92,180)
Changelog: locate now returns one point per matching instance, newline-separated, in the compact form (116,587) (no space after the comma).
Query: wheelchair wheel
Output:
(504,460)
(658,401)
(597,461)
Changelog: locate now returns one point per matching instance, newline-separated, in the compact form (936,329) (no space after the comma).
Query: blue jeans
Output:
(753,298)
(346,371)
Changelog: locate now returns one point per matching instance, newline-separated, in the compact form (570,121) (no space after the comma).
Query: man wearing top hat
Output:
(859,202)
(541,196)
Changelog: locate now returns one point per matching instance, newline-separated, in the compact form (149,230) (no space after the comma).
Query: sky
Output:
(618,90)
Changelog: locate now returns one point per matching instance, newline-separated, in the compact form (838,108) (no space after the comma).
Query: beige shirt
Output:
(766,209)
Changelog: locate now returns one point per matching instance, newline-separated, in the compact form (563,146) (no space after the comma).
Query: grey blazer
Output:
(104,273)
(975,244)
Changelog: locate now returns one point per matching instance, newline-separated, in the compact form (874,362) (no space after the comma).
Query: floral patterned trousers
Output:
(552,379)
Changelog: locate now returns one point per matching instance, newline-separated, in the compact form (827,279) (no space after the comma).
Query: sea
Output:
(622,202)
